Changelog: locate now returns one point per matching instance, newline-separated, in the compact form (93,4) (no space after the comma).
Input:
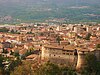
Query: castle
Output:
(69,55)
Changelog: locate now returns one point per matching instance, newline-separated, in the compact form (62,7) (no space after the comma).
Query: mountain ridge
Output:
(44,9)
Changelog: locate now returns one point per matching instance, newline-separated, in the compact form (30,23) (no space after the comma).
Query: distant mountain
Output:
(71,10)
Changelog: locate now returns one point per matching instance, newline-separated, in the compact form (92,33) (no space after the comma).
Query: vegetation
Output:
(48,69)
(5,51)
(98,46)
(92,66)
(16,54)
(7,65)
(1,60)
(4,29)
(58,39)
(23,69)
(29,52)
(40,10)
(14,32)
(11,66)
(53,69)
(88,36)
(17,67)
(45,69)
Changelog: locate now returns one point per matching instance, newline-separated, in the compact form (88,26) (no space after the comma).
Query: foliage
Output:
(5,69)
(79,37)
(29,52)
(88,36)
(29,33)
(14,64)
(14,32)
(53,69)
(36,11)
(1,60)
(24,69)
(48,69)
(92,66)
(11,66)
(5,51)
(58,39)
(45,69)
(4,29)
(98,46)
(16,54)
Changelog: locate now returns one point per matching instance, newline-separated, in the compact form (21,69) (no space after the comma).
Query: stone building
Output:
(69,55)
(59,54)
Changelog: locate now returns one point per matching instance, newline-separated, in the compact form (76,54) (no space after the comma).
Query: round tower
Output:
(81,63)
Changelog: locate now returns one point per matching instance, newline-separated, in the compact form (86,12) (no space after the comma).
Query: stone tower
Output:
(81,63)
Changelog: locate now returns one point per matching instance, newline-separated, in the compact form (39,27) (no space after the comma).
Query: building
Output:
(77,29)
(59,54)
(69,55)
(89,29)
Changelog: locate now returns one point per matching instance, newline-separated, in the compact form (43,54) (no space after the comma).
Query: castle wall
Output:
(67,57)
(59,56)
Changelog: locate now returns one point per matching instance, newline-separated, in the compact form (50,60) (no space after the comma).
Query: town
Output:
(62,44)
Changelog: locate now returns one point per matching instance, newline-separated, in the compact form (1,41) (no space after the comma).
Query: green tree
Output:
(53,69)
(67,71)
(23,69)
(48,69)
(14,64)
(4,29)
(1,61)
(16,54)
(58,39)
(92,66)
(45,69)
(88,36)
(5,51)
(98,46)
(12,31)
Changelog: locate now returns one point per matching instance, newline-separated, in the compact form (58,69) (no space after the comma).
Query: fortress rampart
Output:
(65,56)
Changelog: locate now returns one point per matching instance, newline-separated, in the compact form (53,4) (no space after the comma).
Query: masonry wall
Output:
(67,57)
(81,60)
(59,56)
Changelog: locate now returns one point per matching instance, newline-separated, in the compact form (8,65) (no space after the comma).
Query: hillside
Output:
(30,10)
